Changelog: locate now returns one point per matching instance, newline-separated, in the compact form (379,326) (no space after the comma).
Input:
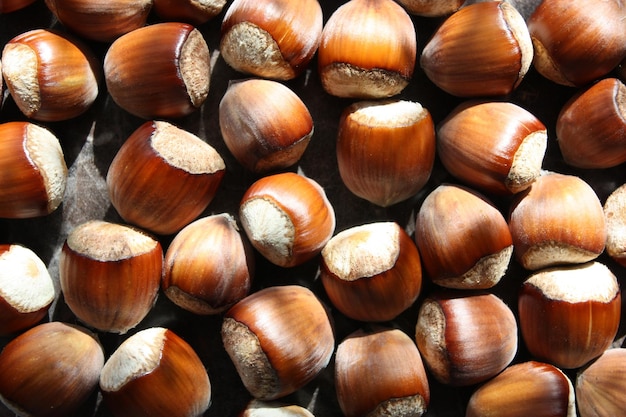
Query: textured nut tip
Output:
(412,405)
(109,242)
(519,30)
(46,154)
(363,251)
(189,302)
(346,80)
(249,49)
(257,408)
(430,332)
(138,355)
(486,273)
(20,68)
(615,215)
(527,161)
(185,150)
(251,362)
(24,280)
(270,229)
(388,113)
(592,281)
(195,67)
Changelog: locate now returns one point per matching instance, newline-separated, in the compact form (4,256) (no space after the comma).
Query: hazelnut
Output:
(385,149)
(101,20)
(34,171)
(50,76)
(371,272)
(600,385)
(368,50)
(26,289)
(155,373)
(264,124)
(525,389)
(463,238)
(465,337)
(287,218)
(110,274)
(576,44)
(557,220)
(273,39)
(163,177)
(380,373)
(159,71)
(591,128)
(279,339)
(496,147)
(569,315)
(208,265)
(483,49)
(50,370)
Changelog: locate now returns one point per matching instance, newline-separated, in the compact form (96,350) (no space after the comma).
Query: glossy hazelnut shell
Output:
(287,218)
(287,30)
(463,239)
(465,338)
(125,261)
(50,76)
(101,20)
(291,331)
(264,124)
(26,289)
(50,370)
(385,150)
(525,389)
(576,44)
(159,71)
(162,177)
(591,127)
(557,220)
(380,372)
(176,384)
(496,147)
(34,171)
(569,315)
(368,50)
(483,49)
(208,266)
(371,272)
(600,385)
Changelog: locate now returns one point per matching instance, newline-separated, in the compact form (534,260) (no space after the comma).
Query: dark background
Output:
(91,141)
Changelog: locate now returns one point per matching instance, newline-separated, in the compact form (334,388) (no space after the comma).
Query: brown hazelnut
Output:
(50,76)
(163,177)
(569,315)
(368,50)
(159,71)
(110,274)
(279,339)
(385,149)
(287,218)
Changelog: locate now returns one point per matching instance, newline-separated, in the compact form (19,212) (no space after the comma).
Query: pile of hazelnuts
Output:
(312,208)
